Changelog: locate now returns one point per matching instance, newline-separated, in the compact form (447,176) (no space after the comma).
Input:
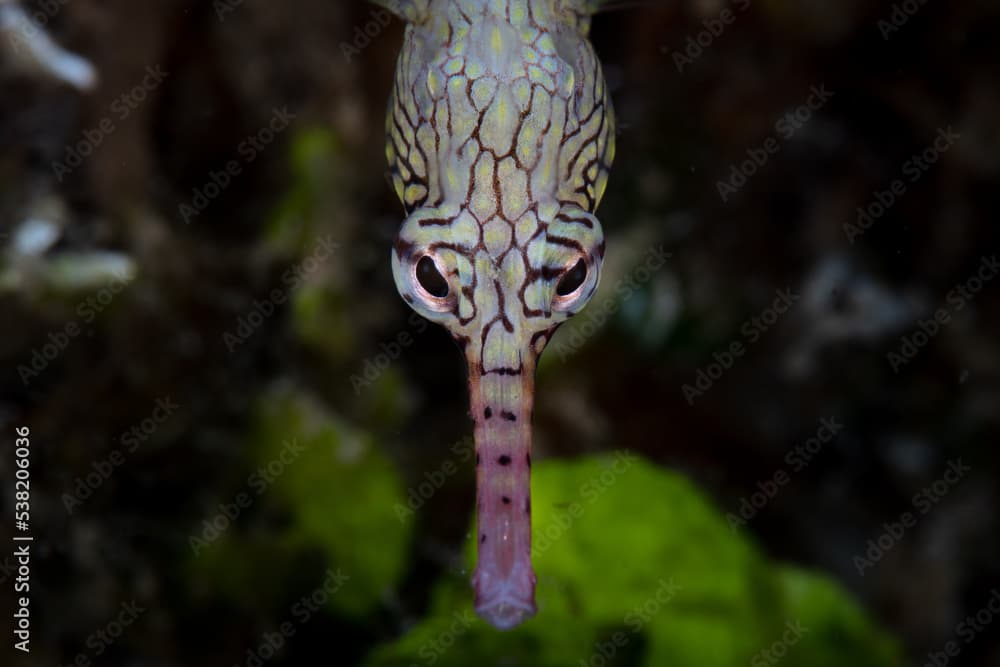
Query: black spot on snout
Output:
(488,412)
(509,416)
(504,460)
(505,499)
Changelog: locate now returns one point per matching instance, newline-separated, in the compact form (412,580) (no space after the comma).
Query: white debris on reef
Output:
(26,48)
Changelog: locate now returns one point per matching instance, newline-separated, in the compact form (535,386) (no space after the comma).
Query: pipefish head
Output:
(499,141)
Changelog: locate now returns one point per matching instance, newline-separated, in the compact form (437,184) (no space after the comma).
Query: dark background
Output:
(323,176)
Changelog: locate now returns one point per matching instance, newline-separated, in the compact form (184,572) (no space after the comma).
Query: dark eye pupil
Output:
(431,279)
(572,279)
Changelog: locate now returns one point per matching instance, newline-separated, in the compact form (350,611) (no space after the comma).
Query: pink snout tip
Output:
(507,612)
(505,602)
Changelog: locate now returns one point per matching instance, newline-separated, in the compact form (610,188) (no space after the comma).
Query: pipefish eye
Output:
(573,279)
(430,279)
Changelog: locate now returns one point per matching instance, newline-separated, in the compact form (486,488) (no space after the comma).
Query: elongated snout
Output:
(501,399)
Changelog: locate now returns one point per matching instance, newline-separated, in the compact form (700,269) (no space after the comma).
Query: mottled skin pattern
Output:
(500,138)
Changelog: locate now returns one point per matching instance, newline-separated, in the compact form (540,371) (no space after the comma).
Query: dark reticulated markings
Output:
(563,217)
(502,308)
(505,371)
(404,249)
(435,222)
(563,241)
